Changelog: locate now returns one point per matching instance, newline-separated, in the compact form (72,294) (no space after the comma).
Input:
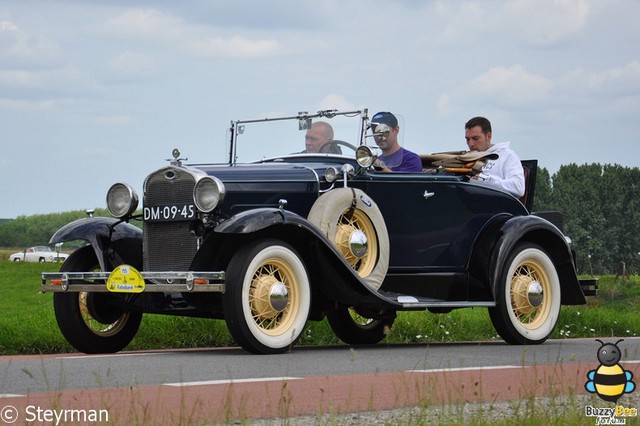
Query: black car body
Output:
(270,244)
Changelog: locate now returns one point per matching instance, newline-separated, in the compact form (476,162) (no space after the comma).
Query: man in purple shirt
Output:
(394,158)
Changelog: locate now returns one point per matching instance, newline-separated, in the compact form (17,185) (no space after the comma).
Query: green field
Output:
(28,323)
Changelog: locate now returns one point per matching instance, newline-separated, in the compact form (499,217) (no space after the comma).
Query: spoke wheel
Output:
(268,297)
(528,297)
(91,322)
(354,328)
(349,229)
(354,225)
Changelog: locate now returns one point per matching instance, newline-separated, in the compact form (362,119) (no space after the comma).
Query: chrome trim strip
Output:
(76,281)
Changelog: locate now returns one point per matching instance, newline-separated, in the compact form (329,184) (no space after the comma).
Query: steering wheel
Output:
(334,146)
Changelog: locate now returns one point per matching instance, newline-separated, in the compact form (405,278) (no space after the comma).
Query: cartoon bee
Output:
(609,381)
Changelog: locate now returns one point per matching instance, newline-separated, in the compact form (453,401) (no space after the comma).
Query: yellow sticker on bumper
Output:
(125,279)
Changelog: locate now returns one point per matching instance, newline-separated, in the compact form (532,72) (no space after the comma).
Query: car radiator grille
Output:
(168,246)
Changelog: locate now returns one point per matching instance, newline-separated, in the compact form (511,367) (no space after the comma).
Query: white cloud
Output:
(155,27)
(130,63)
(18,45)
(336,101)
(543,22)
(512,85)
(147,24)
(535,22)
(623,80)
(235,46)
(26,105)
(6,27)
(67,80)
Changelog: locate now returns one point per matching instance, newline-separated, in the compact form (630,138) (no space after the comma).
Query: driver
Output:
(394,158)
(319,133)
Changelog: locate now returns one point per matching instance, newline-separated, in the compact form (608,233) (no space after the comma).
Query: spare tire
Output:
(355,226)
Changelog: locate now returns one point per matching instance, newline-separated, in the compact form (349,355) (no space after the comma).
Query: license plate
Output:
(169,213)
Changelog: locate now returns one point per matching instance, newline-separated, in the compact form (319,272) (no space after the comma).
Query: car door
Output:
(433,220)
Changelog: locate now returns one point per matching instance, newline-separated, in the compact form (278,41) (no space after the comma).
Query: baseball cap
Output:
(384,117)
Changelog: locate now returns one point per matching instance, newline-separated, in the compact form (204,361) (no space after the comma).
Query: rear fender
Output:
(543,233)
(108,237)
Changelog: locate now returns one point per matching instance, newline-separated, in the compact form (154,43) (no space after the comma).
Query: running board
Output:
(416,302)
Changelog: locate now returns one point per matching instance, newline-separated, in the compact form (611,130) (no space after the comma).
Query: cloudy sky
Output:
(94,92)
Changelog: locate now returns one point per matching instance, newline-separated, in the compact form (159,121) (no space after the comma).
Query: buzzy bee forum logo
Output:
(610,381)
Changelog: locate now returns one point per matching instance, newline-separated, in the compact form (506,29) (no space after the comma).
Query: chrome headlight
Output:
(364,156)
(208,193)
(122,200)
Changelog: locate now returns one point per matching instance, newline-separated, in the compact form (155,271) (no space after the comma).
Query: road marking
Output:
(449,370)
(112,355)
(10,395)
(232,381)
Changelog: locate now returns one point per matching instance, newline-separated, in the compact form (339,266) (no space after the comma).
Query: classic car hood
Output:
(260,173)
(266,185)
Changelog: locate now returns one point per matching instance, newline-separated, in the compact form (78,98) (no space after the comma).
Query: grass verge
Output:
(29,326)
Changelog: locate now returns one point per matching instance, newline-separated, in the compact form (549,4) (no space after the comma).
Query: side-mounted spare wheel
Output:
(92,322)
(353,222)
(267,297)
(528,296)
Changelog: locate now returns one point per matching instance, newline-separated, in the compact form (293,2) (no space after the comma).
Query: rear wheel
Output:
(355,328)
(528,297)
(267,297)
(91,322)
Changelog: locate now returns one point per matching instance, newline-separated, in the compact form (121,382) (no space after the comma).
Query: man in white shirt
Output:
(506,171)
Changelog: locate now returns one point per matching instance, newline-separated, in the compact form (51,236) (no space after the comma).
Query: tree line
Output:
(36,230)
(600,205)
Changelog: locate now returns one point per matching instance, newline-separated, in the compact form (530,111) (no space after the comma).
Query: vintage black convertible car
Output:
(268,241)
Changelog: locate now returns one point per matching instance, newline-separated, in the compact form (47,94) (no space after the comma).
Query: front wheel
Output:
(355,328)
(528,297)
(267,297)
(91,322)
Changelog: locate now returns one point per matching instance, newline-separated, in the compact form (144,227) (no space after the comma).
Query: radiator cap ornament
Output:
(176,161)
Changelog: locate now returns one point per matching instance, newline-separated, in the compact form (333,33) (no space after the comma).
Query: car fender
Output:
(102,233)
(542,232)
(253,220)
(344,283)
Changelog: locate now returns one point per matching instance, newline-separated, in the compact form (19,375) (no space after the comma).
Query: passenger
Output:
(394,158)
(319,133)
(506,171)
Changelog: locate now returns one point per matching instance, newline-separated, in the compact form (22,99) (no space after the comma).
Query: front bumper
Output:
(159,282)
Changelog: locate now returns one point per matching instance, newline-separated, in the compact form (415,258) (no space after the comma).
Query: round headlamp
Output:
(364,156)
(208,193)
(331,174)
(122,200)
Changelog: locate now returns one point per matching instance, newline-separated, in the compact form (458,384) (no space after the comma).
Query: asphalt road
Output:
(320,373)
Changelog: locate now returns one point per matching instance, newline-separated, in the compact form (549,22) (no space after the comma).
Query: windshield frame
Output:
(304,121)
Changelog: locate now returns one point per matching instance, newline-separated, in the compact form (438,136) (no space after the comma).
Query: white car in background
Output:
(38,254)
